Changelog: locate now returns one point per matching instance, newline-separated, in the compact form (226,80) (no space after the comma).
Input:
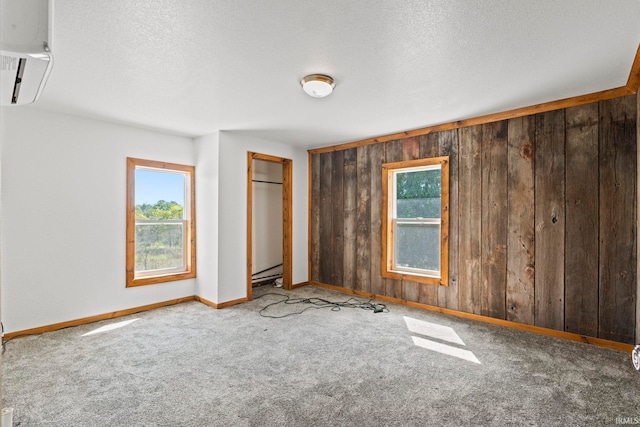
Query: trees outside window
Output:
(160,222)
(415,220)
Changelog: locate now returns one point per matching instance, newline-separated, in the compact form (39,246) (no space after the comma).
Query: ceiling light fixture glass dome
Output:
(318,85)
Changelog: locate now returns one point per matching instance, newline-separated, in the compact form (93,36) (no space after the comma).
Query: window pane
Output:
(159,246)
(161,241)
(159,194)
(418,246)
(418,194)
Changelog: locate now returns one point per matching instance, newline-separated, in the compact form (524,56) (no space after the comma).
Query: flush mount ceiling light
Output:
(317,85)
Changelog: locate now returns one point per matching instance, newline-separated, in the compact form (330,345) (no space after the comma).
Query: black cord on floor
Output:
(318,303)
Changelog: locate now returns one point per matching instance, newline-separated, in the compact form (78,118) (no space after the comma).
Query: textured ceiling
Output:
(198,66)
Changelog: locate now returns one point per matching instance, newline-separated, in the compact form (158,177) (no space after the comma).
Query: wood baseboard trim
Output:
(614,345)
(233,302)
(91,319)
(206,302)
(220,305)
(627,348)
(106,316)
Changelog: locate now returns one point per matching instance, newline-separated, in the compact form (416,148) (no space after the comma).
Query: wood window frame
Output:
(190,268)
(388,170)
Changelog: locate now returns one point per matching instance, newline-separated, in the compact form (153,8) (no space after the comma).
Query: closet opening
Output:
(268,222)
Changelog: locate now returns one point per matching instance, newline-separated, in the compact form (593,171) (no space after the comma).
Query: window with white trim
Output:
(415,220)
(160,222)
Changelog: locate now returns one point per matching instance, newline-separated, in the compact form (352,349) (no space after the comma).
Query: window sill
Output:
(427,280)
(160,278)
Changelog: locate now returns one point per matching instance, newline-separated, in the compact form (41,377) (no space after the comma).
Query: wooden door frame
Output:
(287,219)
(636,66)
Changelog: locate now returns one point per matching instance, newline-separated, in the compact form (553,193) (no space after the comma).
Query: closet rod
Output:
(267,269)
(267,182)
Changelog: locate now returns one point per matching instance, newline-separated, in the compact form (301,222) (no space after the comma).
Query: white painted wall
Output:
(2,125)
(232,210)
(206,148)
(267,218)
(63,216)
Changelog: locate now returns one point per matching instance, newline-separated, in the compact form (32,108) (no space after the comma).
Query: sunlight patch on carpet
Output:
(446,349)
(110,327)
(433,330)
(440,333)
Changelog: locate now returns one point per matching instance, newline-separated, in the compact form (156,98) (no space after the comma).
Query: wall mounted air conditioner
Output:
(25,49)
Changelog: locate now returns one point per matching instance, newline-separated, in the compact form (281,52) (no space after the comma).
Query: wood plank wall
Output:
(542,220)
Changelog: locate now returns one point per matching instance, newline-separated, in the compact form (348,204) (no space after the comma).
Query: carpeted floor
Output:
(190,365)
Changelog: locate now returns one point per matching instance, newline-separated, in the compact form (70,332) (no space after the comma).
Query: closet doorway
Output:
(269,218)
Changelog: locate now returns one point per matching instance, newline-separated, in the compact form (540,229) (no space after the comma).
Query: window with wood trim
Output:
(161,234)
(415,220)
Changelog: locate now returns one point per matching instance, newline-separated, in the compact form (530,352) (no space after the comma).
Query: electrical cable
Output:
(319,303)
